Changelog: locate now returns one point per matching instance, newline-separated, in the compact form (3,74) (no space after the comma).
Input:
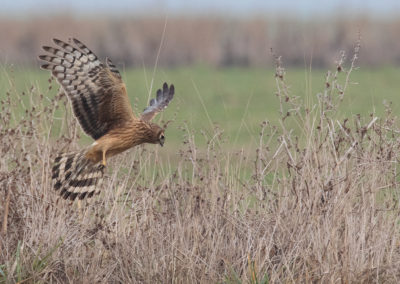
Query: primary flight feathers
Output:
(159,103)
(98,95)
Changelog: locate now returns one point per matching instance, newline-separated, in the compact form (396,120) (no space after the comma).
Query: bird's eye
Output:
(162,137)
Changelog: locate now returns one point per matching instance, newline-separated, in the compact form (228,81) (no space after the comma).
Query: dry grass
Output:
(318,204)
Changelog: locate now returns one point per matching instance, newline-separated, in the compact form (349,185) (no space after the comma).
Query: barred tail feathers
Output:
(76,176)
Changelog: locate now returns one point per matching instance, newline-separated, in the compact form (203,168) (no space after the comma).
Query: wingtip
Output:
(45,66)
(76,41)
(46,47)
(57,41)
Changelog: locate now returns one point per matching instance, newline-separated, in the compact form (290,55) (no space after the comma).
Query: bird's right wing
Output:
(97,92)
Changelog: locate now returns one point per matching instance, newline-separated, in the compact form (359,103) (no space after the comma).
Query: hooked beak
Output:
(161,143)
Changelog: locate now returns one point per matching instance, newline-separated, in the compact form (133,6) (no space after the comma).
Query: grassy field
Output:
(237,99)
(310,195)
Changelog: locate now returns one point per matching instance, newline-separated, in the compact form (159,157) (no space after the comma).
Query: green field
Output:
(236,100)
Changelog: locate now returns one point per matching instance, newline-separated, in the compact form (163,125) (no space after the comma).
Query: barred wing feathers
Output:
(158,104)
(96,90)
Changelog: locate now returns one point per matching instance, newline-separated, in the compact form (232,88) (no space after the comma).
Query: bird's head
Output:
(161,138)
(157,136)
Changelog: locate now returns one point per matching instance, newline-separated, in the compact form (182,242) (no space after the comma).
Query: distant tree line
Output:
(215,41)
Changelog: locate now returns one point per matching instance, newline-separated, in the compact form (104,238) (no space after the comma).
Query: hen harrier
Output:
(101,105)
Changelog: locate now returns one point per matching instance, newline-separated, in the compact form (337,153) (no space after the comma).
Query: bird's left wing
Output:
(96,90)
(161,101)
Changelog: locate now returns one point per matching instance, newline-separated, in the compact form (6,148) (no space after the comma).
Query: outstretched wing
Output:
(162,100)
(97,92)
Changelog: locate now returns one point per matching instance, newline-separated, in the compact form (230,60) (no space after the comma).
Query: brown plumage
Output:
(100,103)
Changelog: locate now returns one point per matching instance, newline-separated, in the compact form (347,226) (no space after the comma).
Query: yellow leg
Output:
(104,158)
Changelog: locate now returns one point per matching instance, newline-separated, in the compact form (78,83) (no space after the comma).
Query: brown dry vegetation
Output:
(134,40)
(319,204)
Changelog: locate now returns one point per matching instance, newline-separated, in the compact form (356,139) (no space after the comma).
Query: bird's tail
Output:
(76,176)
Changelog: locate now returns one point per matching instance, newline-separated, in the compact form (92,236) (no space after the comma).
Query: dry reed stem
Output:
(6,208)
